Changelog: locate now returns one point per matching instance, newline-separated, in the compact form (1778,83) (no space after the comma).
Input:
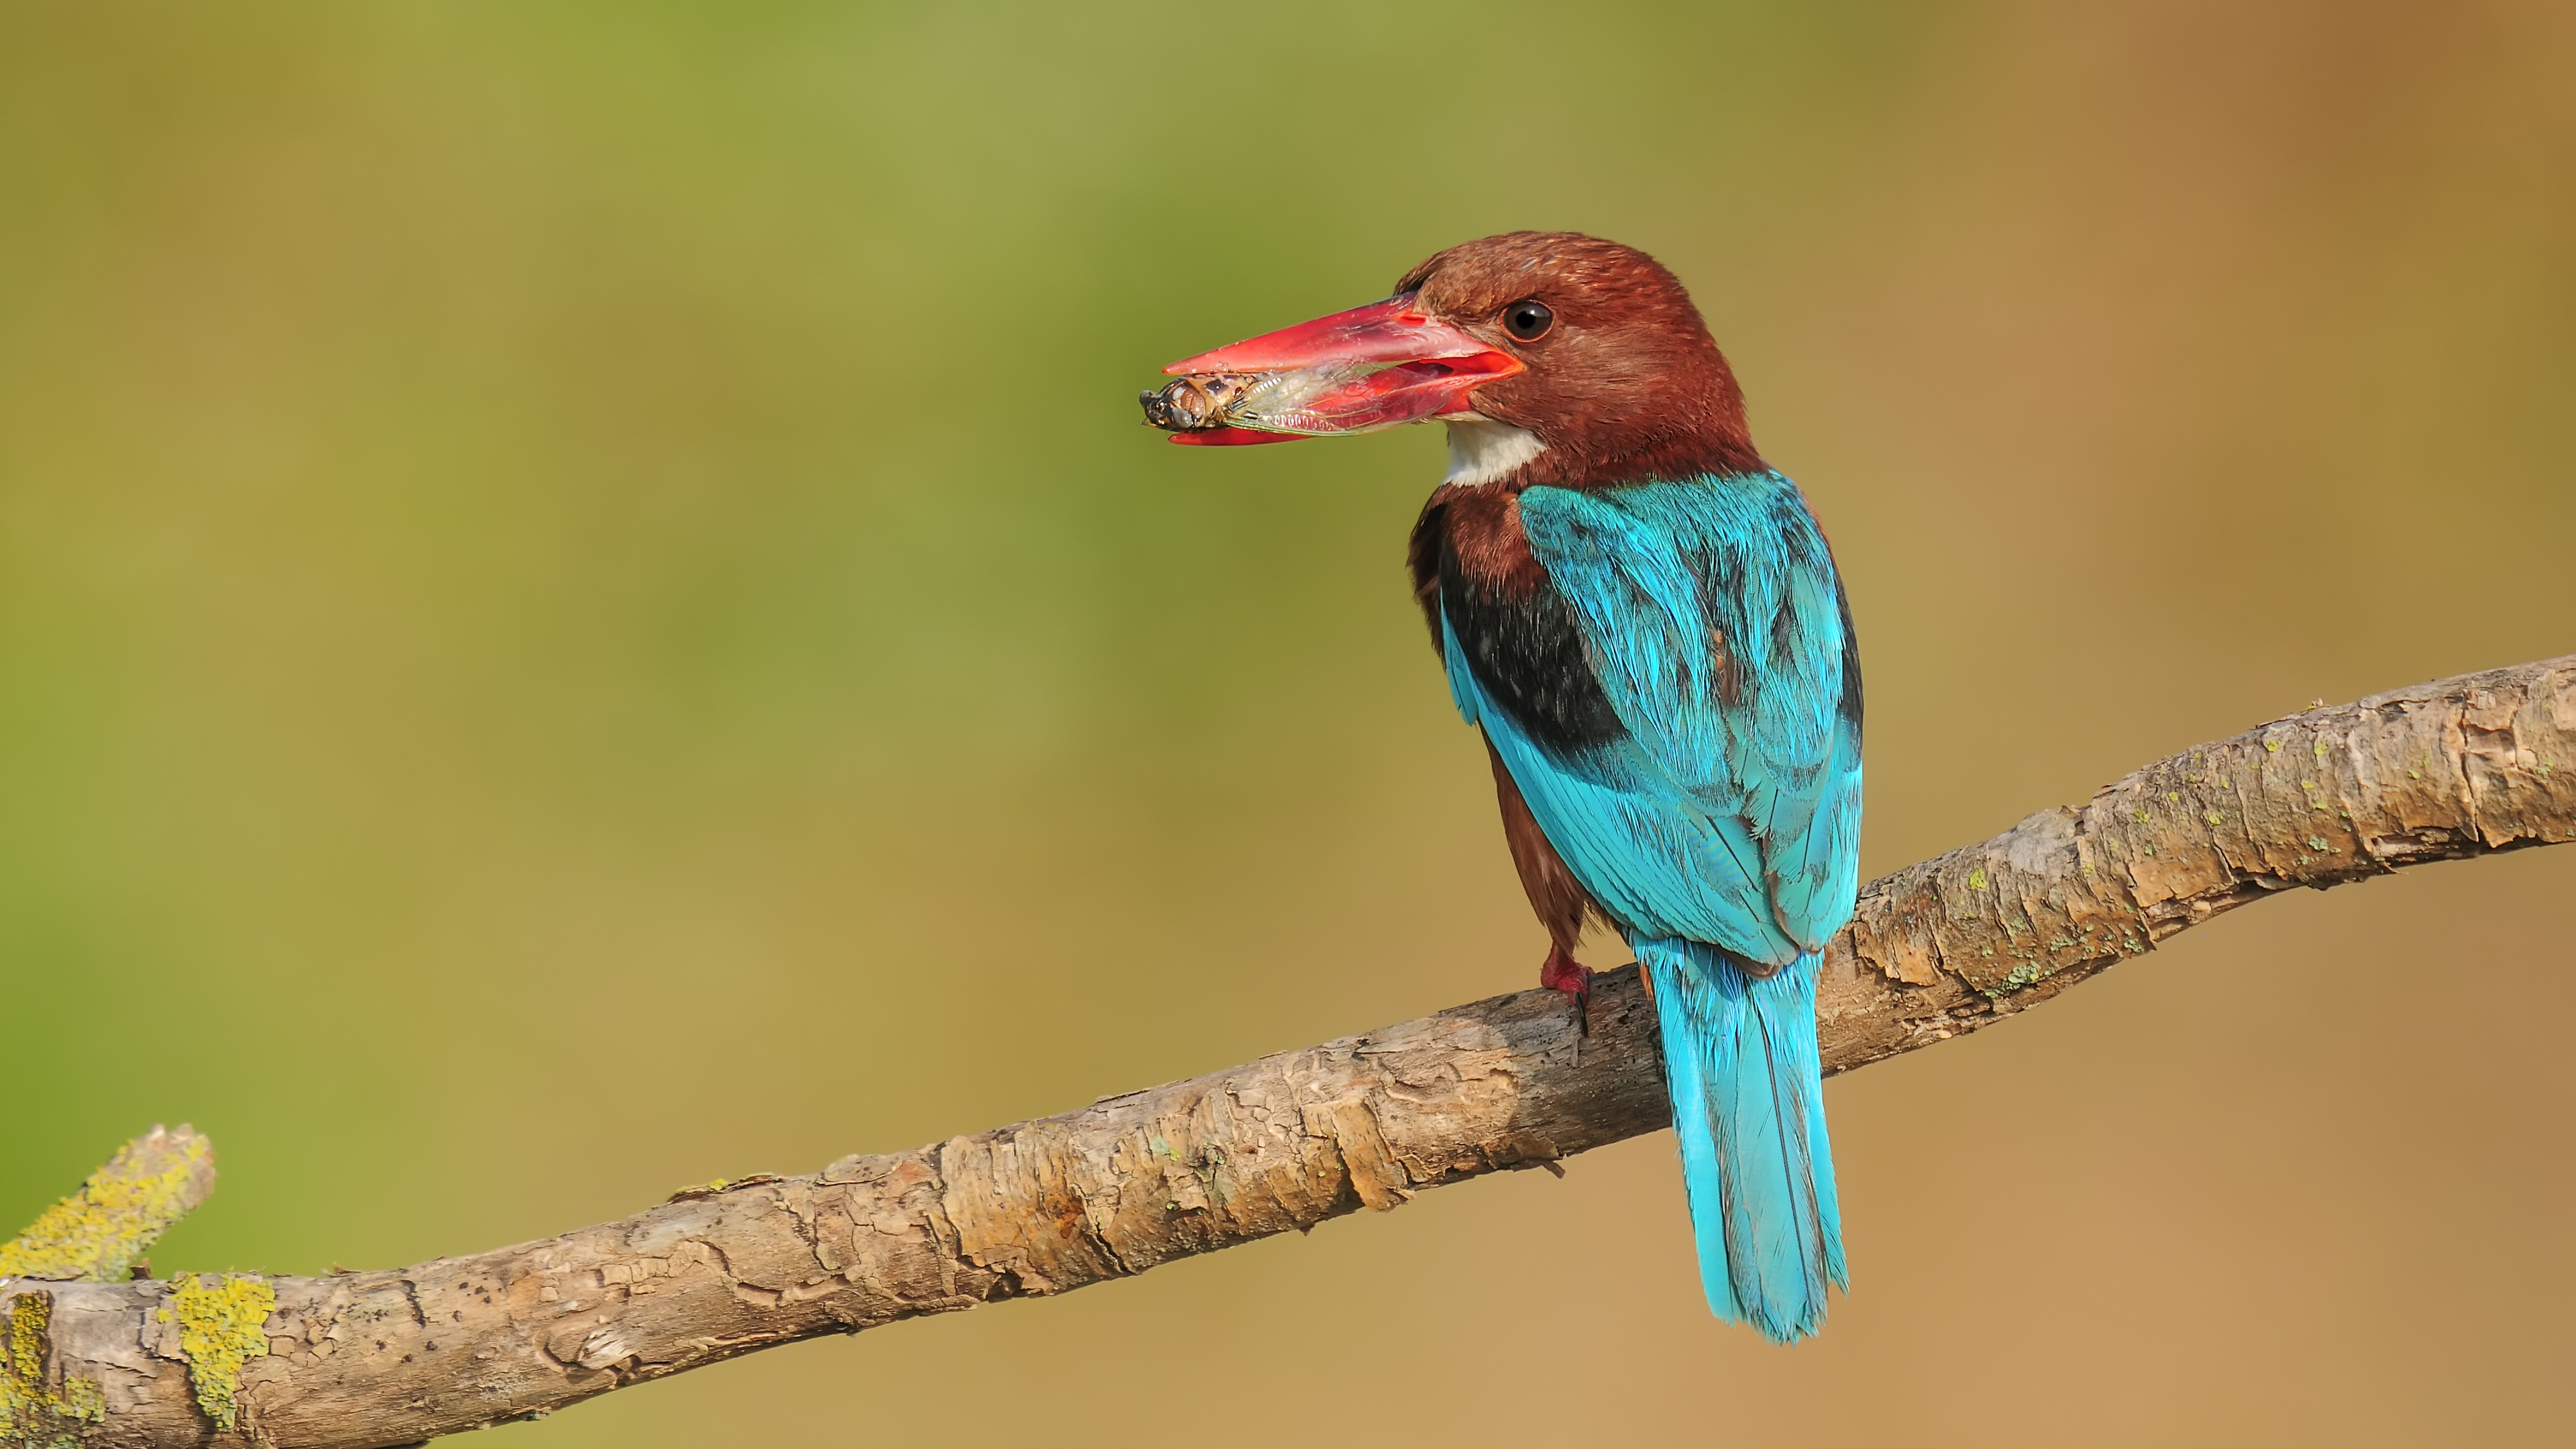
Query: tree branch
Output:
(2461,767)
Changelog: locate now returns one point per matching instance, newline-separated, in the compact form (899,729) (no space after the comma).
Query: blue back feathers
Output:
(1721,833)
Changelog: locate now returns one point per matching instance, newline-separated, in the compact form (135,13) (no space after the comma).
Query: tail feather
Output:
(1748,1110)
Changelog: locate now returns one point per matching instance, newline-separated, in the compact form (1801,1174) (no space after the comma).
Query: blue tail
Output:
(1748,1108)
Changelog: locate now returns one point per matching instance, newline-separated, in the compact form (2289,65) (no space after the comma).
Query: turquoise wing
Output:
(1714,621)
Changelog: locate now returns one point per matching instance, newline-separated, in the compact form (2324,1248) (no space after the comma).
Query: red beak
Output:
(1429,368)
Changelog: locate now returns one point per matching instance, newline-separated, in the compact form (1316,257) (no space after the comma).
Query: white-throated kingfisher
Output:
(1644,621)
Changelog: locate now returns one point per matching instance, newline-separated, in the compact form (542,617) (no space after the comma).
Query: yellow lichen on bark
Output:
(96,1234)
(22,1361)
(219,1330)
(29,1408)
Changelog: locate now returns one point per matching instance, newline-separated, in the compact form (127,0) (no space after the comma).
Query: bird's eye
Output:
(1528,319)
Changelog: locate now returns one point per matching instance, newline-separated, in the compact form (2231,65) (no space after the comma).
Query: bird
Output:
(1644,621)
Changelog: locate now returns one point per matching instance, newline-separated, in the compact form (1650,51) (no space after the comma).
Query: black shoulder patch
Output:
(1527,653)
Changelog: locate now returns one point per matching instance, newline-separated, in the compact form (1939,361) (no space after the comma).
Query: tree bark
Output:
(2461,767)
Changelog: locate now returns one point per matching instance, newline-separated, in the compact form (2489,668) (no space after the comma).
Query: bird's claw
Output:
(1563,973)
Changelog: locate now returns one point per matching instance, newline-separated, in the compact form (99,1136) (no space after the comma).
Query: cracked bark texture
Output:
(2457,768)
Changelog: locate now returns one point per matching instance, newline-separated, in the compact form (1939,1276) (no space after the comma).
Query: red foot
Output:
(1563,973)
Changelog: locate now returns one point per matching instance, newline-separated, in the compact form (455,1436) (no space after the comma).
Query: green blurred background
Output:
(583,608)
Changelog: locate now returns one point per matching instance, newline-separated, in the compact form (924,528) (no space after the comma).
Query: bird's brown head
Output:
(1568,359)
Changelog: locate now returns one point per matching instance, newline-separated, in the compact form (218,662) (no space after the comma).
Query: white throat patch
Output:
(1482,451)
